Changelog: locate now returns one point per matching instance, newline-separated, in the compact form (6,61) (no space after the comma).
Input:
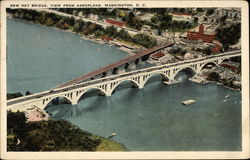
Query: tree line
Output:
(51,135)
(80,27)
(161,21)
(229,35)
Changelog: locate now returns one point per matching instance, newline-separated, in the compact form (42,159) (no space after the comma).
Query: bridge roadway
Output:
(117,64)
(110,78)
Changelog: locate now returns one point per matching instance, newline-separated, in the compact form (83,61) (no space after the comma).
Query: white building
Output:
(93,16)
(230,12)
(188,56)
(181,17)
(166,58)
(146,16)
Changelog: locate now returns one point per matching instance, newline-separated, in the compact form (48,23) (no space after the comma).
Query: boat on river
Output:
(188,102)
(141,115)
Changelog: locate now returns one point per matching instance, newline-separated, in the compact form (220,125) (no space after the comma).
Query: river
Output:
(148,119)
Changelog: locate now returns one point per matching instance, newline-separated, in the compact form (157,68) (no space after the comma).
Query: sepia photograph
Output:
(133,77)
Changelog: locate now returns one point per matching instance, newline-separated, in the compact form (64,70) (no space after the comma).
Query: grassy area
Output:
(182,30)
(53,135)
(129,43)
(108,144)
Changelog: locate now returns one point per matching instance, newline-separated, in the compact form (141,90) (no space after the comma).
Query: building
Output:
(115,22)
(181,17)
(188,56)
(229,12)
(216,49)
(146,16)
(155,32)
(233,66)
(191,35)
(166,58)
(93,16)
(106,38)
(157,55)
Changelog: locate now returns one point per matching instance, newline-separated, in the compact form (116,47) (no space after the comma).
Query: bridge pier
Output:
(74,102)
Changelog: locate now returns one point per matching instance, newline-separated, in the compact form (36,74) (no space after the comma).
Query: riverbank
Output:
(80,26)
(85,37)
(47,135)
(202,79)
(35,114)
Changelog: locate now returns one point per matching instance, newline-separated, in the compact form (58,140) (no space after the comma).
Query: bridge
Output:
(107,85)
(114,66)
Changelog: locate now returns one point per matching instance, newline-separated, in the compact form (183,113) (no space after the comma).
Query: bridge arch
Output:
(80,95)
(46,101)
(134,83)
(212,62)
(163,75)
(173,76)
(223,60)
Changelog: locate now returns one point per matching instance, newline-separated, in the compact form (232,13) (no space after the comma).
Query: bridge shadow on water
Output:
(102,103)
(95,101)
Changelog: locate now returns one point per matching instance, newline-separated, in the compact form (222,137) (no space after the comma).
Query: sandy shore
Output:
(36,115)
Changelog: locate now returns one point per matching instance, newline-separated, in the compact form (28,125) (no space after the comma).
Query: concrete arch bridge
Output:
(107,85)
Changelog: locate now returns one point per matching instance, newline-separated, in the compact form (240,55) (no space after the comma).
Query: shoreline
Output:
(81,36)
(201,80)
(111,43)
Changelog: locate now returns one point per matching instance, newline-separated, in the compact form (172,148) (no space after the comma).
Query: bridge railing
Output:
(151,69)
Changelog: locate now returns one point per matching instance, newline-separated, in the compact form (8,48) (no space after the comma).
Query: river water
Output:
(148,119)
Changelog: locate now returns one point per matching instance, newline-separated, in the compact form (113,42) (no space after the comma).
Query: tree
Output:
(213,76)
(137,23)
(124,34)
(27,93)
(111,31)
(130,18)
(14,95)
(115,70)
(144,40)
(206,51)
(104,74)
(210,11)
(155,19)
(196,19)
(16,123)
(229,35)
(223,19)
(163,25)
(182,10)
(199,9)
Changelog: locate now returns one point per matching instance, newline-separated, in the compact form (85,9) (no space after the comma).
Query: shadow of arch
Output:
(59,111)
(91,92)
(209,63)
(55,101)
(122,85)
(225,60)
(187,70)
(152,78)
